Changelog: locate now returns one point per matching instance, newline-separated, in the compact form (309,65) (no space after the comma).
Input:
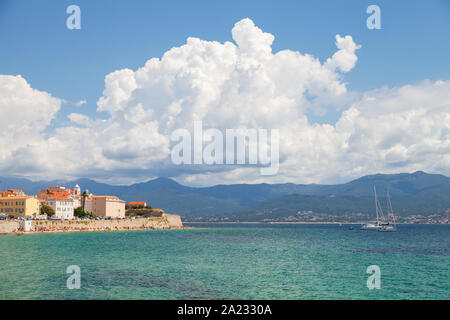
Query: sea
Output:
(230,261)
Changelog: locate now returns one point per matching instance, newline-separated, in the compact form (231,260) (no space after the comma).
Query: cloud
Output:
(80,103)
(79,119)
(24,115)
(24,110)
(251,40)
(240,84)
(406,128)
(225,85)
(344,59)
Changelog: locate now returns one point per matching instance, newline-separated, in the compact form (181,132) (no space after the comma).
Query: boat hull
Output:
(387,229)
(370,227)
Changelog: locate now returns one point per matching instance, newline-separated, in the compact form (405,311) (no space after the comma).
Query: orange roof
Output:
(56,194)
(51,196)
(137,202)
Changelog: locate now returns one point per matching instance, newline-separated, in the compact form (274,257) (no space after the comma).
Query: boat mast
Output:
(390,210)
(376,205)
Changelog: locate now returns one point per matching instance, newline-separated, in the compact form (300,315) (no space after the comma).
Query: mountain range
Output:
(411,193)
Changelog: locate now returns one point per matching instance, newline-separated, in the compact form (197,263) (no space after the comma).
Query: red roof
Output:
(57,196)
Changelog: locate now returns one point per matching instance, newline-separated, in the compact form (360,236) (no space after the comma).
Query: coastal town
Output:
(58,208)
(62,200)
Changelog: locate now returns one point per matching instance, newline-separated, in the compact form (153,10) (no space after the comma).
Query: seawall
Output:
(9,226)
(166,221)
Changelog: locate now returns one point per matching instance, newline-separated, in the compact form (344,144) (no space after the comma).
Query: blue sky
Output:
(412,46)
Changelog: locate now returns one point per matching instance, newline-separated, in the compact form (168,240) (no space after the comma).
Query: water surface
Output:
(229,261)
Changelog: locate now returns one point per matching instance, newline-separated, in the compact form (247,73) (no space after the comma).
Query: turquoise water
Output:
(233,261)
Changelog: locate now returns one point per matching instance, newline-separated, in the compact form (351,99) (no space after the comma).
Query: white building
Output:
(26,225)
(77,190)
(76,200)
(62,205)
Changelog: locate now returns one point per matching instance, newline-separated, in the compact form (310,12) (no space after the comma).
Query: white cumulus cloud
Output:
(24,114)
(239,84)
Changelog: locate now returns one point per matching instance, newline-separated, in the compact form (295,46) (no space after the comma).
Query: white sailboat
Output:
(382,224)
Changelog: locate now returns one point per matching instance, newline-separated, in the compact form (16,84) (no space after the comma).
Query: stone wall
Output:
(174,220)
(8,226)
(167,221)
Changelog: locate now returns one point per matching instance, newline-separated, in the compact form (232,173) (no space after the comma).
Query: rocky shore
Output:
(166,221)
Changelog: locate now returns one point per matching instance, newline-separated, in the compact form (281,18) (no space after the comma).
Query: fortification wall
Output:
(167,221)
(174,220)
(9,226)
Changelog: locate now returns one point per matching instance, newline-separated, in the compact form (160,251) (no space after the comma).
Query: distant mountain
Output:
(290,205)
(417,183)
(418,192)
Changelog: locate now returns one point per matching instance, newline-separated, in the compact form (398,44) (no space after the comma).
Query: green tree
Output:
(80,213)
(47,210)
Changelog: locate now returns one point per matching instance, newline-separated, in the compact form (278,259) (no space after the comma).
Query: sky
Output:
(101,102)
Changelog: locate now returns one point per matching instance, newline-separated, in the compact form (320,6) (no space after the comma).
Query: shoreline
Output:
(152,226)
(21,233)
(303,222)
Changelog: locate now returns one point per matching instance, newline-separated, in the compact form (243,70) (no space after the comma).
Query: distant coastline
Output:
(301,222)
